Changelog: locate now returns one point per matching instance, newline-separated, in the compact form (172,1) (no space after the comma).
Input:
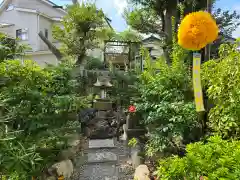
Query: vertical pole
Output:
(208,47)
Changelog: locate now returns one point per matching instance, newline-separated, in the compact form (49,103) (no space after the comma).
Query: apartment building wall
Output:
(45,25)
(41,6)
(21,20)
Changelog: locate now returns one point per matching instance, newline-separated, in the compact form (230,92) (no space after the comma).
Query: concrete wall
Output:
(30,20)
(9,31)
(41,6)
(42,59)
(44,23)
(157,51)
(21,20)
(8,17)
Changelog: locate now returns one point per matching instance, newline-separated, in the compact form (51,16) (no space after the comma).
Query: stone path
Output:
(103,159)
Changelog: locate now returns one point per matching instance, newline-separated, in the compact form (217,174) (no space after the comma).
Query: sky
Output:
(114,10)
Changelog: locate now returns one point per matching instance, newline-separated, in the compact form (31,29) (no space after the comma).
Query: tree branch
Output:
(51,47)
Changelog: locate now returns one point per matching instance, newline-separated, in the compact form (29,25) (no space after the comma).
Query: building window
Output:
(46,33)
(9,7)
(22,34)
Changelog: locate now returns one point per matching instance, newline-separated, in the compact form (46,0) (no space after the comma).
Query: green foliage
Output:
(94,63)
(132,142)
(153,16)
(35,107)
(221,79)
(123,89)
(10,49)
(144,20)
(227,22)
(166,103)
(84,27)
(217,159)
(127,35)
(19,159)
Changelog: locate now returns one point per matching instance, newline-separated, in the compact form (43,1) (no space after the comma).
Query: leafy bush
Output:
(166,104)
(10,49)
(221,78)
(217,159)
(35,105)
(94,63)
(124,88)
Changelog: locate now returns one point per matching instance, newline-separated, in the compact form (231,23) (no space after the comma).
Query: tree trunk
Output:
(51,47)
(80,59)
(171,11)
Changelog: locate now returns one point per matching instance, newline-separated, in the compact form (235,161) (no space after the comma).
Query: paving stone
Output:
(110,178)
(99,172)
(92,165)
(101,157)
(101,143)
(103,178)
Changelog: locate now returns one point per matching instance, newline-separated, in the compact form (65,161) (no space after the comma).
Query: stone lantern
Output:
(103,83)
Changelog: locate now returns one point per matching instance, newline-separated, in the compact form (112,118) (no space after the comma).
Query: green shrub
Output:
(166,104)
(94,63)
(35,104)
(217,159)
(10,49)
(221,78)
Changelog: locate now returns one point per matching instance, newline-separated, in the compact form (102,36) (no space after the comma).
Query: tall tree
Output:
(83,29)
(227,22)
(127,35)
(155,16)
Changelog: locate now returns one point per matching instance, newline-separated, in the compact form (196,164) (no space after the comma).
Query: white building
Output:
(24,19)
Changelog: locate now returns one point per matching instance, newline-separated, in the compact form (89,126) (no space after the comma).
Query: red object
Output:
(132,109)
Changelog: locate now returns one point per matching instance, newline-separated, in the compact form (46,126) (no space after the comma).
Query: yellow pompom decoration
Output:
(196,30)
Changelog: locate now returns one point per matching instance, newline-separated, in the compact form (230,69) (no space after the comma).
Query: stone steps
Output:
(102,157)
(97,136)
(101,143)
(99,172)
(103,160)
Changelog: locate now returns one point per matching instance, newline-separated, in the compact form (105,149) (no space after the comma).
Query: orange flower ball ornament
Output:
(196,30)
